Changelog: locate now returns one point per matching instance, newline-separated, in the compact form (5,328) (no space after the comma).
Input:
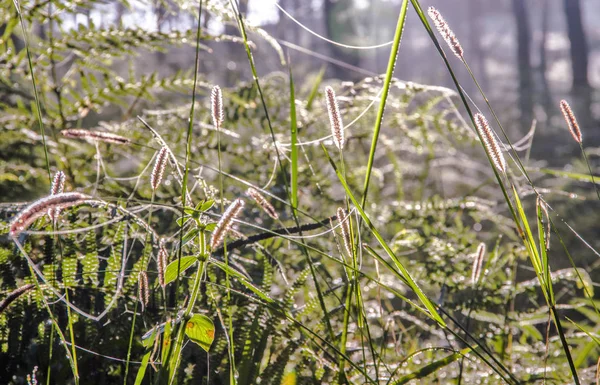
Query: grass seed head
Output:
(478,263)
(226,222)
(571,120)
(39,208)
(446,32)
(99,136)
(262,202)
(335,118)
(161,263)
(143,290)
(58,185)
(491,144)
(159,168)
(216,101)
(344,220)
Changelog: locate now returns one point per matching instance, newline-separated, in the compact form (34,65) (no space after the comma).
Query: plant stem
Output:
(565,345)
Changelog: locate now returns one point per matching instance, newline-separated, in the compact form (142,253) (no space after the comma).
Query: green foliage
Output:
(430,201)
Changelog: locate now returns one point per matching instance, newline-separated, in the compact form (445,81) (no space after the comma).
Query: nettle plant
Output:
(218,241)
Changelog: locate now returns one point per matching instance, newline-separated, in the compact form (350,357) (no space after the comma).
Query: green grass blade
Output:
(293,141)
(315,88)
(303,247)
(568,174)
(433,367)
(386,89)
(528,239)
(409,280)
(544,254)
(142,371)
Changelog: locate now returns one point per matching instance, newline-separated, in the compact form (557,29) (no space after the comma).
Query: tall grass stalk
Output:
(35,90)
(386,89)
(303,248)
(172,365)
(521,221)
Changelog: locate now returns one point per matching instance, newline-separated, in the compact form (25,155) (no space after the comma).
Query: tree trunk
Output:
(580,89)
(334,13)
(474,11)
(546,97)
(524,62)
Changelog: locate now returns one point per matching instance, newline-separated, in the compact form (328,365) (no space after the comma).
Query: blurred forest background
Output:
(527,54)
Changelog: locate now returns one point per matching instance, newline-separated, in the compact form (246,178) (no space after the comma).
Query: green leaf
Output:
(189,211)
(201,330)
(206,205)
(142,372)
(289,378)
(171,272)
(189,236)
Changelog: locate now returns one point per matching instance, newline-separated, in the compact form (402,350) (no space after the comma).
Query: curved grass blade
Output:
(433,367)
(409,280)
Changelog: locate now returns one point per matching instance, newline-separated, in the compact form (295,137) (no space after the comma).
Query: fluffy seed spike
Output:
(143,291)
(39,208)
(345,226)
(225,223)
(159,168)
(13,295)
(335,118)
(216,101)
(446,32)
(99,136)
(571,120)
(58,185)
(161,264)
(478,263)
(262,202)
(489,141)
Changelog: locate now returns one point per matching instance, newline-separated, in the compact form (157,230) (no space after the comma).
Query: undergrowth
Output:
(273,285)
